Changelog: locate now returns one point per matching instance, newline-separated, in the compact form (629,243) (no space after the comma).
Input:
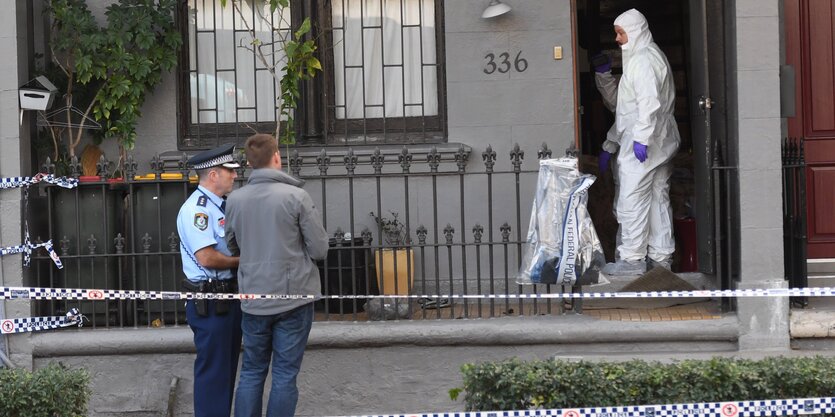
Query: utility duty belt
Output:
(212,286)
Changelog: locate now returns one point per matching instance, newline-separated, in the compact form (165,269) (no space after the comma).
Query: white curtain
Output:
(228,83)
(390,66)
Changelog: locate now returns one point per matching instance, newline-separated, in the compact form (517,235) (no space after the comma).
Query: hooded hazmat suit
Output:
(643,102)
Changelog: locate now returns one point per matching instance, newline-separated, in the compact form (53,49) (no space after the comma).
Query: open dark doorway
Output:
(671,29)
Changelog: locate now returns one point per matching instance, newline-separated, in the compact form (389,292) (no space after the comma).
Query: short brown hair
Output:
(260,148)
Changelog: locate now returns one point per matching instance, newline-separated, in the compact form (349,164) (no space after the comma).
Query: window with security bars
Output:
(382,79)
(228,90)
(385,70)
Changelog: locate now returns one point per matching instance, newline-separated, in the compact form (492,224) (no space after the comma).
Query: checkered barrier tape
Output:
(17,182)
(33,324)
(763,408)
(27,248)
(42,293)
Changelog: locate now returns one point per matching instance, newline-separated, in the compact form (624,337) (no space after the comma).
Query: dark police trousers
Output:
(218,341)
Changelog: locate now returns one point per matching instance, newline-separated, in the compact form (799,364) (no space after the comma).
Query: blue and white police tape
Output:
(31,324)
(27,248)
(17,182)
(43,293)
(760,408)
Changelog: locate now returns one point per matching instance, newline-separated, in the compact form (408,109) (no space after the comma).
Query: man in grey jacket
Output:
(274,226)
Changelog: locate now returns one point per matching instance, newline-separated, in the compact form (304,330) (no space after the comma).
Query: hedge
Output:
(517,385)
(54,391)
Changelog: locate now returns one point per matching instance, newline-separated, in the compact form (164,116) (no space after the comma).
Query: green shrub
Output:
(53,391)
(517,385)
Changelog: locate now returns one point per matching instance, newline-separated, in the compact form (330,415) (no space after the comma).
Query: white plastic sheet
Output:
(562,245)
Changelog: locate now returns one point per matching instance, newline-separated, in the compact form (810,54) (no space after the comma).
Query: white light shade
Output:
(495,8)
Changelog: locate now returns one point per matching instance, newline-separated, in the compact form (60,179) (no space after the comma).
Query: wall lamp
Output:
(495,8)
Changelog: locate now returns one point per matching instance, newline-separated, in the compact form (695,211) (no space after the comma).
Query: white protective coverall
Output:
(644,103)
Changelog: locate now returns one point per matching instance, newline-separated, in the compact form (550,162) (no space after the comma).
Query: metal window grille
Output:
(227,88)
(382,81)
(384,71)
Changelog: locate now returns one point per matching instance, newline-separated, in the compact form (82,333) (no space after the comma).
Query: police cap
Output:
(222,155)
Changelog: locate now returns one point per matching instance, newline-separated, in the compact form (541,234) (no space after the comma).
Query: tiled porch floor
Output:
(707,310)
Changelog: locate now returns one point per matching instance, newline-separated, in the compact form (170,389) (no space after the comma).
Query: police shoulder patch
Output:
(201,221)
(201,201)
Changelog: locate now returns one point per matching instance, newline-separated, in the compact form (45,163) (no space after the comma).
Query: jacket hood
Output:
(267,175)
(637,30)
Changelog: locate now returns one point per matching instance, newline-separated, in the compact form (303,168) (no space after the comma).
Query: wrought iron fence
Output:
(794,216)
(463,220)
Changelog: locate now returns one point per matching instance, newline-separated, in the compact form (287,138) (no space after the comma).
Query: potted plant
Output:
(395,261)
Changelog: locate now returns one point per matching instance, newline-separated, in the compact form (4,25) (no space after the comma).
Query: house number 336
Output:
(502,63)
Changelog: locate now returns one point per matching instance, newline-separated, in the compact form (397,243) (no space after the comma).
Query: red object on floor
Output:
(685,229)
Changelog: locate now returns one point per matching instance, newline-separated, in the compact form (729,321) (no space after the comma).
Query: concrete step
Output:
(821,280)
(820,266)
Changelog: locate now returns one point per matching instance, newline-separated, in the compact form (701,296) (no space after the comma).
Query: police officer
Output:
(209,268)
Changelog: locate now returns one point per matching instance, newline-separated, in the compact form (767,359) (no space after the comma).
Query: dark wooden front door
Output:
(810,49)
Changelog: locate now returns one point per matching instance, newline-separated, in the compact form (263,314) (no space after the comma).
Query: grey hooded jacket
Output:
(274,226)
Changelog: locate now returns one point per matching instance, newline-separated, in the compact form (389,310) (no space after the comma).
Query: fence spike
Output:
(478,232)
(173,242)
(182,164)
(323,161)
(544,152)
(421,234)
(505,229)
(157,166)
(75,167)
(434,159)
(295,161)
(119,243)
(405,159)
(449,231)
(377,160)
(461,158)
(350,161)
(516,157)
(65,246)
(48,166)
(366,237)
(146,242)
(91,244)
(489,157)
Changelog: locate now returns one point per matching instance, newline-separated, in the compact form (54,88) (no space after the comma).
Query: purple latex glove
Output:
(603,162)
(601,63)
(640,151)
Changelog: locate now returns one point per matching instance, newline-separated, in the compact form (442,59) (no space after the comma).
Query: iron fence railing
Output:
(794,216)
(464,219)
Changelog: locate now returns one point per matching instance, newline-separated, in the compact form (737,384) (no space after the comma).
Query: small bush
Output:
(53,391)
(517,385)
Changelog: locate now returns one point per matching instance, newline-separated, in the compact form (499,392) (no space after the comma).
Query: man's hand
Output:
(603,162)
(640,151)
(602,63)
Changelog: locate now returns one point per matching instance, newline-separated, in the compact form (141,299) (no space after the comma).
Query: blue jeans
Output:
(284,336)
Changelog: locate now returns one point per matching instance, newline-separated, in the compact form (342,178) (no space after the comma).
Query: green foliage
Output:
(51,391)
(121,62)
(301,64)
(393,230)
(517,385)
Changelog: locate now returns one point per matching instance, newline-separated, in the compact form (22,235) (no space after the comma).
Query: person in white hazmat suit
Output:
(645,137)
